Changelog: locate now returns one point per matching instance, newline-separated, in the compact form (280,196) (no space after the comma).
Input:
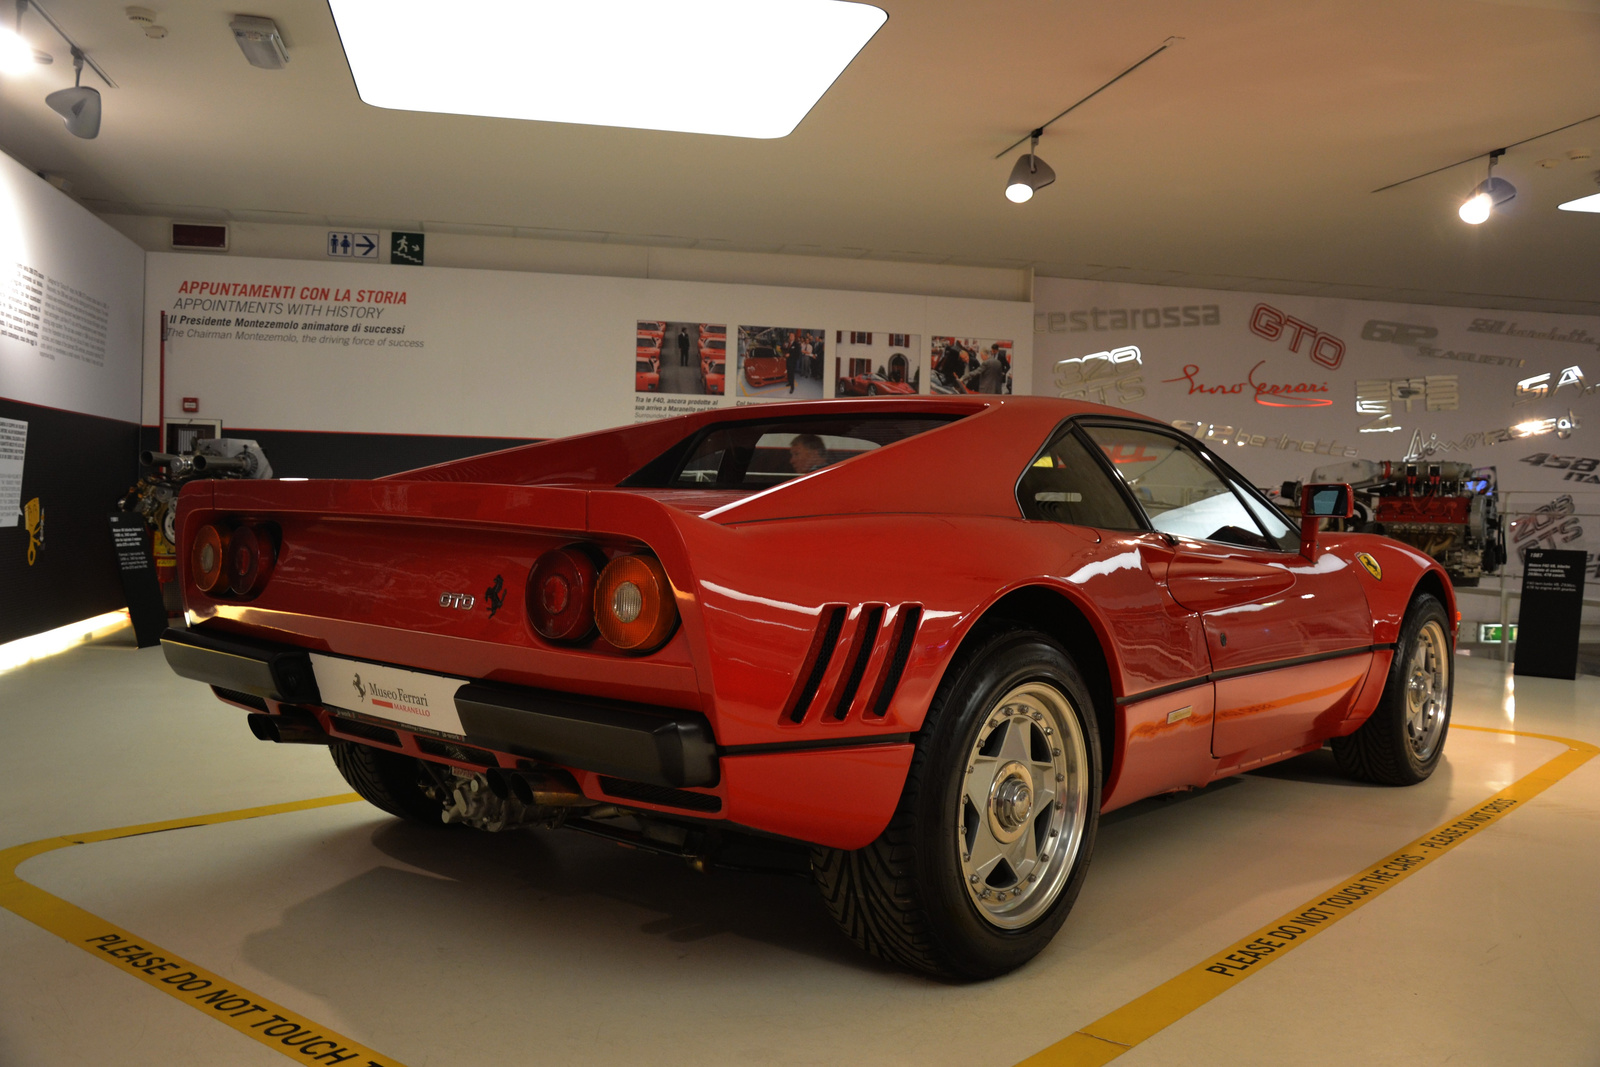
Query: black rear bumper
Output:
(662,746)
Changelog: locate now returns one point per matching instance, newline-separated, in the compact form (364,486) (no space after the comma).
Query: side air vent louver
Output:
(249,700)
(822,648)
(459,753)
(366,731)
(861,652)
(664,796)
(909,618)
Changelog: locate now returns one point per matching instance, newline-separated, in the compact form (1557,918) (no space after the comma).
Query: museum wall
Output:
(1283,385)
(357,369)
(71,296)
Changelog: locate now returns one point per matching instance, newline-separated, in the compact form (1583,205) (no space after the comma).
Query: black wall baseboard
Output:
(78,466)
(311,454)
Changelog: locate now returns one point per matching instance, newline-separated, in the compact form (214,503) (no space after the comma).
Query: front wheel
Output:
(1403,740)
(991,842)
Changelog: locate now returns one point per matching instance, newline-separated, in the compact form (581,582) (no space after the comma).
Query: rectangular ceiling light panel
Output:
(743,68)
(1583,203)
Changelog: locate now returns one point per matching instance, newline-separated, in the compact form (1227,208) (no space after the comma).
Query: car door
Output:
(1290,640)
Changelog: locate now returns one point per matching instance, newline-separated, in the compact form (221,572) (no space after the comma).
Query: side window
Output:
(1065,484)
(1179,494)
(1271,520)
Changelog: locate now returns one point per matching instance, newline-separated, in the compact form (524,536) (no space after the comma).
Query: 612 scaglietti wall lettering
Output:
(682,664)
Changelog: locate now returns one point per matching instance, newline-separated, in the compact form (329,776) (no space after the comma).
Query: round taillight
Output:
(250,559)
(208,559)
(560,595)
(633,604)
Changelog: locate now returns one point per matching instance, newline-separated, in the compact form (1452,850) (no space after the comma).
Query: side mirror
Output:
(1327,500)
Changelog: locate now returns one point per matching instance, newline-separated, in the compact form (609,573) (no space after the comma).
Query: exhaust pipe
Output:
(220,465)
(288,728)
(536,788)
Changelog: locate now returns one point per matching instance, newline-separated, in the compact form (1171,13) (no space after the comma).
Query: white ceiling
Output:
(1244,157)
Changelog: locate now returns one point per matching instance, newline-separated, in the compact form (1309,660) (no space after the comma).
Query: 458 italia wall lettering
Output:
(1578,468)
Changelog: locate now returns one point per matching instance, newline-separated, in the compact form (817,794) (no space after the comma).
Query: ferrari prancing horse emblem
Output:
(1371,564)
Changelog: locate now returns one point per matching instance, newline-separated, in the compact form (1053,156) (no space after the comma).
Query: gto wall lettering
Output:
(1269,323)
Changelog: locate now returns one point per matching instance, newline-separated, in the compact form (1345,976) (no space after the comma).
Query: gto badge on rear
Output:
(459,601)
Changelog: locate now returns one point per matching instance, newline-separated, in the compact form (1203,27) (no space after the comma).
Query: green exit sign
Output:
(1489,633)
(405,248)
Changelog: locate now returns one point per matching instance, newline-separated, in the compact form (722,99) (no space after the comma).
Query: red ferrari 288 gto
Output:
(931,640)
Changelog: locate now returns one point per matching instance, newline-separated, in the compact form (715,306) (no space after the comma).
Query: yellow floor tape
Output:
(229,1003)
(1100,1042)
(1141,1018)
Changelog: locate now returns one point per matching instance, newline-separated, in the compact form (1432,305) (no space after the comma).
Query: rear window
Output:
(760,454)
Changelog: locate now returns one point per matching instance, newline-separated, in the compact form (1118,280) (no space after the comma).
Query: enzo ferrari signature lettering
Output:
(1268,394)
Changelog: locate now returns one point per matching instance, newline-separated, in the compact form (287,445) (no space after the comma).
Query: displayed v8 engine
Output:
(1448,510)
(155,497)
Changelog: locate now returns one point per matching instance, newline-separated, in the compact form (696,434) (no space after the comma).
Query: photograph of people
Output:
(869,363)
(780,362)
(969,365)
(672,357)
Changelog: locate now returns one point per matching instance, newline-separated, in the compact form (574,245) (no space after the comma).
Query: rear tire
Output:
(991,841)
(1403,741)
(400,785)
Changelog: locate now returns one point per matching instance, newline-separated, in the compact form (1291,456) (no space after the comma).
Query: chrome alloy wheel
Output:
(1427,689)
(1024,802)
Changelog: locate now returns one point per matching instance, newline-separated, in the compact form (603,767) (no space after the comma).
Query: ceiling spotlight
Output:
(16,55)
(1029,174)
(78,106)
(1490,193)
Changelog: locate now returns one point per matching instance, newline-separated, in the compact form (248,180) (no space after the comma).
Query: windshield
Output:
(762,453)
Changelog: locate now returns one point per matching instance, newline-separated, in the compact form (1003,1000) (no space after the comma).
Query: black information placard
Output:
(130,540)
(1552,607)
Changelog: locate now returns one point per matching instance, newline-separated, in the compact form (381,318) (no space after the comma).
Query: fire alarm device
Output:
(191,404)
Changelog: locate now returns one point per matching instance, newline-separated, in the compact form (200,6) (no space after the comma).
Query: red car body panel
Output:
(864,384)
(765,369)
(713,370)
(363,563)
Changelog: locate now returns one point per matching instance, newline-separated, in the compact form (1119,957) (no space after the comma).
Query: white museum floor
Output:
(440,948)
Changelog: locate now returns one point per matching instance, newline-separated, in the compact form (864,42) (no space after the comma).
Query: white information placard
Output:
(13,449)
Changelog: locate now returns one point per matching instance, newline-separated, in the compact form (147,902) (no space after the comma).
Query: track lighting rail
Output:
(1034,135)
(1493,154)
(24,5)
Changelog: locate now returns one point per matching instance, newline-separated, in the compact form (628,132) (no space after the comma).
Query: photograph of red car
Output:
(963,365)
(712,371)
(679,352)
(646,375)
(781,362)
(646,634)
(874,363)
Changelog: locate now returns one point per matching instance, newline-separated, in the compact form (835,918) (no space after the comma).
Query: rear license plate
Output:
(407,698)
